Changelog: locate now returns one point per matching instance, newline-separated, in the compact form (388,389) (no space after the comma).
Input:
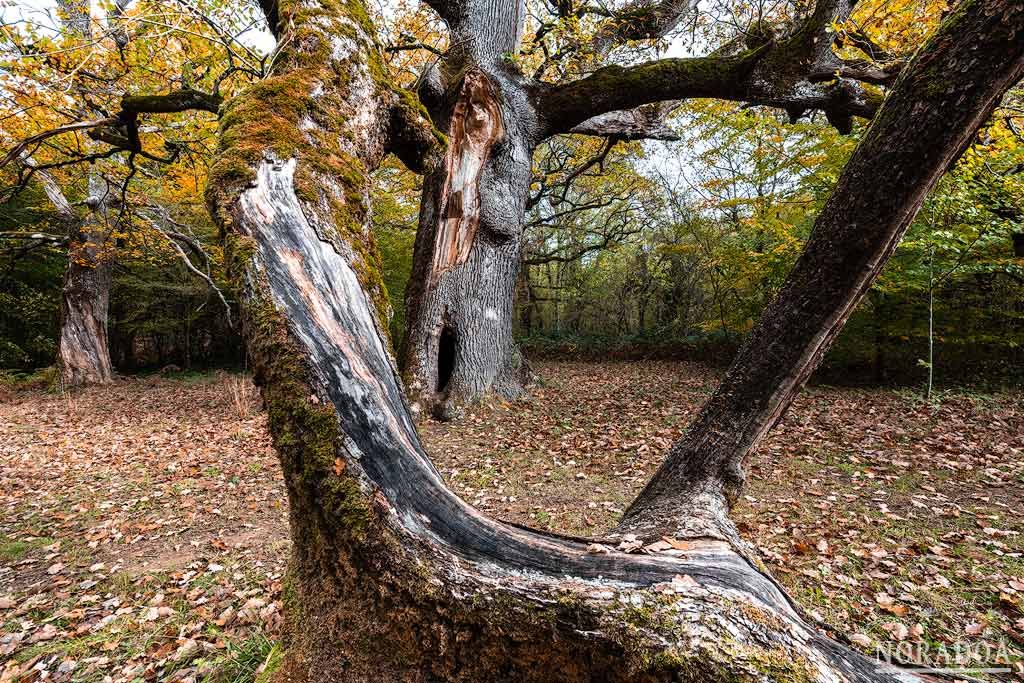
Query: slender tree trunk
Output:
(527,302)
(392,576)
(926,123)
(459,343)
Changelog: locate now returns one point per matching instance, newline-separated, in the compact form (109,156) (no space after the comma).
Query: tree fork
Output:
(393,577)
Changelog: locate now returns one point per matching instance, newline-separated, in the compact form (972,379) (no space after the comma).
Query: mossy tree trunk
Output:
(393,577)
(83,351)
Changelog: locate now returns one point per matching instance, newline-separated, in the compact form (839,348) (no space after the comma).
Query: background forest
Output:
(665,248)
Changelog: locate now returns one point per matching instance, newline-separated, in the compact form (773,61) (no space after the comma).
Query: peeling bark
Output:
(472,215)
(475,124)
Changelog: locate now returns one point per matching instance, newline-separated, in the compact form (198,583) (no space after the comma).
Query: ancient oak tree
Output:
(392,576)
(75,125)
(458,343)
(83,356)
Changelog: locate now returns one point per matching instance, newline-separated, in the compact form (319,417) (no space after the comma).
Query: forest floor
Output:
(143,531)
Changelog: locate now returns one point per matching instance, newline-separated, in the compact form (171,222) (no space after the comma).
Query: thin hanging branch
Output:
(175,239)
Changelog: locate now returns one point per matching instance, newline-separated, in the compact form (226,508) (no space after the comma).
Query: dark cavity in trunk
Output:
(445,358)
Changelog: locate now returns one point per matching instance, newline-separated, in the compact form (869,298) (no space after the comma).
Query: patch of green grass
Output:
(73,648)
(907,482)
(203,580)
(121,583)
(12,550)
(254,660)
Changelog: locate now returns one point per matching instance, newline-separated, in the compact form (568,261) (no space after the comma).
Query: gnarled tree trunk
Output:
(394,578)
(459,344)
(83,354)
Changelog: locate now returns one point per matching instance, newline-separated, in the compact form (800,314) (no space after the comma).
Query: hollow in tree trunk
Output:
(393,577)
(459,345)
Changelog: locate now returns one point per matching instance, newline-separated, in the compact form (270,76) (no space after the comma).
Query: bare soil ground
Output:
(143,530)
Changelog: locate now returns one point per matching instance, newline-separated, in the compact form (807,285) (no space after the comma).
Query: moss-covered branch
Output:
(614,88)
(412,136)
(188,99)
(795,70)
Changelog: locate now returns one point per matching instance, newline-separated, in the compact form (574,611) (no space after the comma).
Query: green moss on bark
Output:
(303,111)
(304,429)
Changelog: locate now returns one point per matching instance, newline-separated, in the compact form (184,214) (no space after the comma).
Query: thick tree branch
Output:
(643,123)
(863,71)
(616,88)
(643,19)
(122,131)
(412,136)
(174,102)
(798,72)
(761,76)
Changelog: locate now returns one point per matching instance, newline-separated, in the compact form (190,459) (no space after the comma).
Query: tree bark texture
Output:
(83,355)
(459,344)
(393,577)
